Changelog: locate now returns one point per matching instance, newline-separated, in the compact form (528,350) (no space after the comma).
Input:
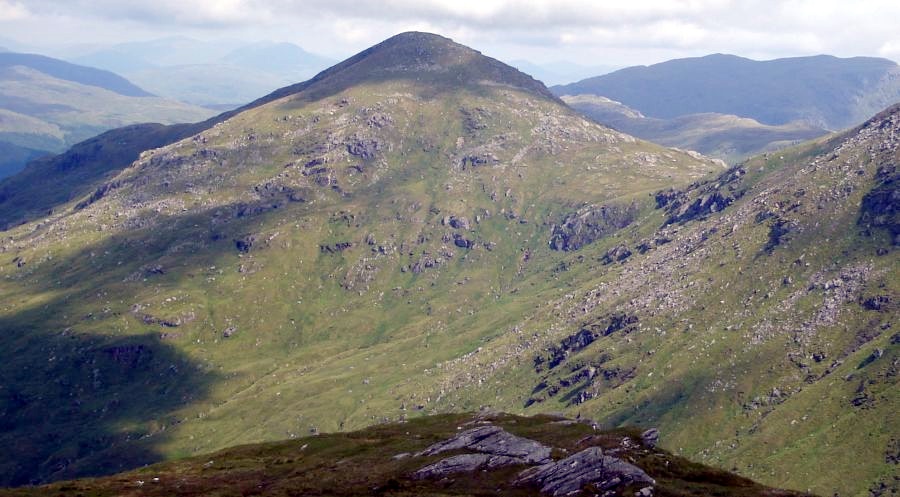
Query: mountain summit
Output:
(424,57)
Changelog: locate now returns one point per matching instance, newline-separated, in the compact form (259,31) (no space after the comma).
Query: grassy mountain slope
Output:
(422,229)
(308,239)
(823,91)
(366,463)
(727,137)
(41,113)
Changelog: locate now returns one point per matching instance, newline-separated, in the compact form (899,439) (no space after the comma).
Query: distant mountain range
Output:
(214,74)
(731,107)
(822,91)
(47,105)
(724,136)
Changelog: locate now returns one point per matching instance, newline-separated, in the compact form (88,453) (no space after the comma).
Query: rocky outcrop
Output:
(590,224)
(881,206)
(245,243)
(496,448)
(493,440)
(465,463)
(616,254)
(650,437)
(99,193)
(365,149)
(703,198)
(588,467)
(335,248)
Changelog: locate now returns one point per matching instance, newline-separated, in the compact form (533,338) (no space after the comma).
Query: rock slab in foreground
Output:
(493,440)
(568,476)
(465,463)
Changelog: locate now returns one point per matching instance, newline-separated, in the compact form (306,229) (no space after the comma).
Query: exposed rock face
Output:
(465,463)
(616,254)
(650,437)
(590,224)
(881,206)
(493,440)
(99,193)
(588,467)
(245,243)
(496,448)
(703,198)
(335,248)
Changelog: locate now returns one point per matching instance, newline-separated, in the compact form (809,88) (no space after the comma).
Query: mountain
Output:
(378,161)
(277,58)
(47,105)
(128,57)
(727,137)
(500,456)
(422,229)
(822,91)
(211,85)
(209,73)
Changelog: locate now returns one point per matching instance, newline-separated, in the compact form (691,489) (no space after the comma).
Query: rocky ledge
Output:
(489,447)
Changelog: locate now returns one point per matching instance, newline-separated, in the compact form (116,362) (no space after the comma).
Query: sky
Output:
(588,32)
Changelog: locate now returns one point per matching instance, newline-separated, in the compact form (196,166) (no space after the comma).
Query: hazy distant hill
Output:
(724,136)
(46,105)
(59,69)
(823,91)
(209,73)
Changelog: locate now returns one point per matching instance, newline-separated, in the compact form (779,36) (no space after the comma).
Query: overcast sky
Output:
(590,32)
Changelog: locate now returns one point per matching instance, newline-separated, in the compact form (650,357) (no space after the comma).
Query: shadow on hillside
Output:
(82,403)
(75,404)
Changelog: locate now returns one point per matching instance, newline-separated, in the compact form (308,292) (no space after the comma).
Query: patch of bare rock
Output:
(491,447)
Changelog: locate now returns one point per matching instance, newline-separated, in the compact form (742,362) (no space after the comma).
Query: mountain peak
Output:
(424,57)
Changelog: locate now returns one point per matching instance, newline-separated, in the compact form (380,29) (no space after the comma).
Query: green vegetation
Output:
(375,245)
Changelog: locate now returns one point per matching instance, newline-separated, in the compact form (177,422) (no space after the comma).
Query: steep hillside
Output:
(47,105)
(422,229)
(400,200)
(727,137)
(822,91)
(484,454)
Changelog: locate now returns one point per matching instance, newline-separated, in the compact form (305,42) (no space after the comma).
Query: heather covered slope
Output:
(443,236)
(384,460)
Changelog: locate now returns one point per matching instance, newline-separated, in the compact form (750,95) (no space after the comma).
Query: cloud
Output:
(12,11)
(630,31)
